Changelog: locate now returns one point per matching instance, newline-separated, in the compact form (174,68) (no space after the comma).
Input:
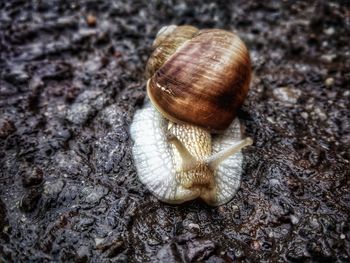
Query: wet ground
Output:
(71,78)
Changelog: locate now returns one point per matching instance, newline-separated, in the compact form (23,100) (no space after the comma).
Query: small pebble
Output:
(94,194)
(193,226)
(329,82)
(274,181)
(328,57)
(314,223)
(91,20)
(271,120)
(6,229)
(294,219)
(55,187)
(287,94)
(79,113)
(256,245)
(321,114)
(304,114)
(342,236)
(329,31)
(99,241)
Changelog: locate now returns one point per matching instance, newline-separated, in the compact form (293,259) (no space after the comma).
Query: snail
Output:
(187,139)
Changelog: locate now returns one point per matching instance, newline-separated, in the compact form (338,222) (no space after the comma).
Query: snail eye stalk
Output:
(215,160)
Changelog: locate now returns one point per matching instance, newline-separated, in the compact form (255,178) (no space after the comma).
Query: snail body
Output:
(197,81)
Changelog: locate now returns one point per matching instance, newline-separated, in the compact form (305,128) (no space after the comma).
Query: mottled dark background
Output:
(71,78)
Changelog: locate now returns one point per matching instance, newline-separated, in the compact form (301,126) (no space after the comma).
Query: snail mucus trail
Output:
(197,81)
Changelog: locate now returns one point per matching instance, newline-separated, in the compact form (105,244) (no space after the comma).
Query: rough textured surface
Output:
(71,78)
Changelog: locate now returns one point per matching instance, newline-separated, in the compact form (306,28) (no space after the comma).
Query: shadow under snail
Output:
(187,140)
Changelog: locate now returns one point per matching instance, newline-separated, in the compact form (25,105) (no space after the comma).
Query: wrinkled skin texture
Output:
(69,88)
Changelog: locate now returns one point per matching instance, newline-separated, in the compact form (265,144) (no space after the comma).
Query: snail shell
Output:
(197,81)
(204,81)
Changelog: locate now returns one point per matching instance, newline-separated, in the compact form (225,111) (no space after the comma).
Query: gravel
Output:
(71,78)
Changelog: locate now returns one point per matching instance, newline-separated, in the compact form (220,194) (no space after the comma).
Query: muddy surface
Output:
(71,78)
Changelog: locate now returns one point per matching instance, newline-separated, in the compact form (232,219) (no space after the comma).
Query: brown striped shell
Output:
(199,77)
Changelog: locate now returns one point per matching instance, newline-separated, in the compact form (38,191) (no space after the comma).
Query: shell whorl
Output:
(168,40)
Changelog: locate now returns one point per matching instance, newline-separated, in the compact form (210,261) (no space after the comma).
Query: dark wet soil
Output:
(71,78)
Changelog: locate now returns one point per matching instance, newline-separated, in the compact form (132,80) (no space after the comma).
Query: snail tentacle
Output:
(214,160)
(189,162)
